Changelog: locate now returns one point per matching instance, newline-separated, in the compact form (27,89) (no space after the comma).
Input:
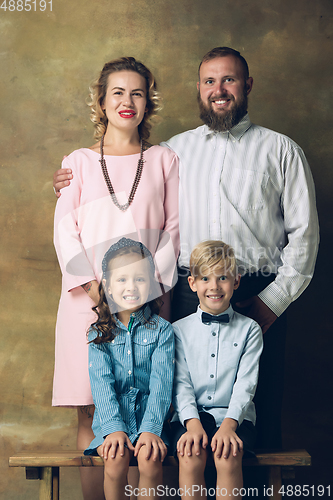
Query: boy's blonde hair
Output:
(210,254)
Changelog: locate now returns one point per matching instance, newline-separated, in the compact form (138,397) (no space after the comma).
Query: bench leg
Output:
(275,481)
(49,483)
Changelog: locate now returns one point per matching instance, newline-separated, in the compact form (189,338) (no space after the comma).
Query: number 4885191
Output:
(27,5)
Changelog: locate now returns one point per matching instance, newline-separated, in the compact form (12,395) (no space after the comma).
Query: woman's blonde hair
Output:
(99,88)
(210,254)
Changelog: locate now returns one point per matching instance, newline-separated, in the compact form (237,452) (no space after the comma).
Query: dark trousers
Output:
(269,394)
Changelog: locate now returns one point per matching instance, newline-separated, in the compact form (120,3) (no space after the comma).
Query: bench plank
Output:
(77,459)
(45,466)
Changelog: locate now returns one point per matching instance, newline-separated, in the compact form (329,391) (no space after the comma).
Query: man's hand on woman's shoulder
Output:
(61,179)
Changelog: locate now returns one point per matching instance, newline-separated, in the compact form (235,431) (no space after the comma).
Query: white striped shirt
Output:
(251,188)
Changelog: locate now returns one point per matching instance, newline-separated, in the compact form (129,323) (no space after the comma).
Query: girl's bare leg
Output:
(91,477)
(151,474)
(191,473)
(115,476)
(229,476)
(133,481)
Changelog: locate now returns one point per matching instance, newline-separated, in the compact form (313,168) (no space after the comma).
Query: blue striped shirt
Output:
(131,378)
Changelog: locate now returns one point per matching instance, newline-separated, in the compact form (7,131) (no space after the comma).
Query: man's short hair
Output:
(223,52)
(207,255)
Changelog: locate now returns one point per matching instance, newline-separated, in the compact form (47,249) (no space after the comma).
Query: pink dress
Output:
(87,223)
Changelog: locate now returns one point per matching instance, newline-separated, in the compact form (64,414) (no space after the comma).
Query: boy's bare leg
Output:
(191,473)
(150,474)
(91,477)
(229,475)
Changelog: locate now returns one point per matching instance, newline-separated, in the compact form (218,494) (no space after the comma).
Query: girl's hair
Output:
(99,88)
(209,254)
(106,323)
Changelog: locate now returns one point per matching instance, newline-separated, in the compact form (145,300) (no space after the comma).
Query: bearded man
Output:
(251,188)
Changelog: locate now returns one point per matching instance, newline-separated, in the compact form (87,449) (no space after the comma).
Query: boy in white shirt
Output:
(217,363)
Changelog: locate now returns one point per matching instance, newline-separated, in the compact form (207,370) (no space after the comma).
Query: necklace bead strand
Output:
(136,181)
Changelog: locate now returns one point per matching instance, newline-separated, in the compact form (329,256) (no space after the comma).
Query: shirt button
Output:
(128,352)
(214,334)
(209,397)
(235,344)
(212,376)
(129,372)
(213,355)
(128,333)
(145,340)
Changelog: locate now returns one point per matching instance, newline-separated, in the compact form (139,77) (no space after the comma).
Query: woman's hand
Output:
(194,439)
(155,446)
(225,440)
(114,443)
(61,179)
(92,290)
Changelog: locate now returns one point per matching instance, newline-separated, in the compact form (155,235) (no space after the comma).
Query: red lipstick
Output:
(127,113)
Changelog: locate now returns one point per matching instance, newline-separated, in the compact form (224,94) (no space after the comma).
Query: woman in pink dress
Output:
(121,186)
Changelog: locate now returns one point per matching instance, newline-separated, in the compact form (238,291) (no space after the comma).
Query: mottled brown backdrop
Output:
(48,60)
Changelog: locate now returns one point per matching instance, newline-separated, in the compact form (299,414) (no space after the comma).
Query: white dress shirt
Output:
(216,367)
(251,188)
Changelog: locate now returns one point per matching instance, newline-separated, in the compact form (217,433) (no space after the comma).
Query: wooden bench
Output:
(45,467)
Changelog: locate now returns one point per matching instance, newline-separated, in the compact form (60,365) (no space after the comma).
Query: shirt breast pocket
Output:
(245,189)
(230,353)
(144,344)
(117,344)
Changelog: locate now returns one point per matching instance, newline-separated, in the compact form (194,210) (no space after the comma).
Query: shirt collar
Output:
(236,132)
(141,316)
(228,311)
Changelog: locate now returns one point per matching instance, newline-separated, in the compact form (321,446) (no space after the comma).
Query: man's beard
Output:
(221,122)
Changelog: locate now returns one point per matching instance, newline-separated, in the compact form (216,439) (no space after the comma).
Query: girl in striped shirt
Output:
(131,364)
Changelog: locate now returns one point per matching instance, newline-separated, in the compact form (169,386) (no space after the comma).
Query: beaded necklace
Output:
(136,181)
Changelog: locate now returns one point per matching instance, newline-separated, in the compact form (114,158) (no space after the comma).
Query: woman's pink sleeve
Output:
(75,266)
(168,247)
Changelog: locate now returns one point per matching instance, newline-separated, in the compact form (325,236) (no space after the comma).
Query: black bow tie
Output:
(209,318)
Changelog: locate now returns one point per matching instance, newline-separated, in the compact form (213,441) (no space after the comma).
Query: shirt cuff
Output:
(237,415)
(187,414)
(152,427)
(274,299)
(77,281)
(114,426)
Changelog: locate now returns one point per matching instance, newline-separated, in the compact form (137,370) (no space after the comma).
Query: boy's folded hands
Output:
(194,439)
(225,440)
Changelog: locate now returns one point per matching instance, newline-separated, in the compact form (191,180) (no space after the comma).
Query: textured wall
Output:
(48,60)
